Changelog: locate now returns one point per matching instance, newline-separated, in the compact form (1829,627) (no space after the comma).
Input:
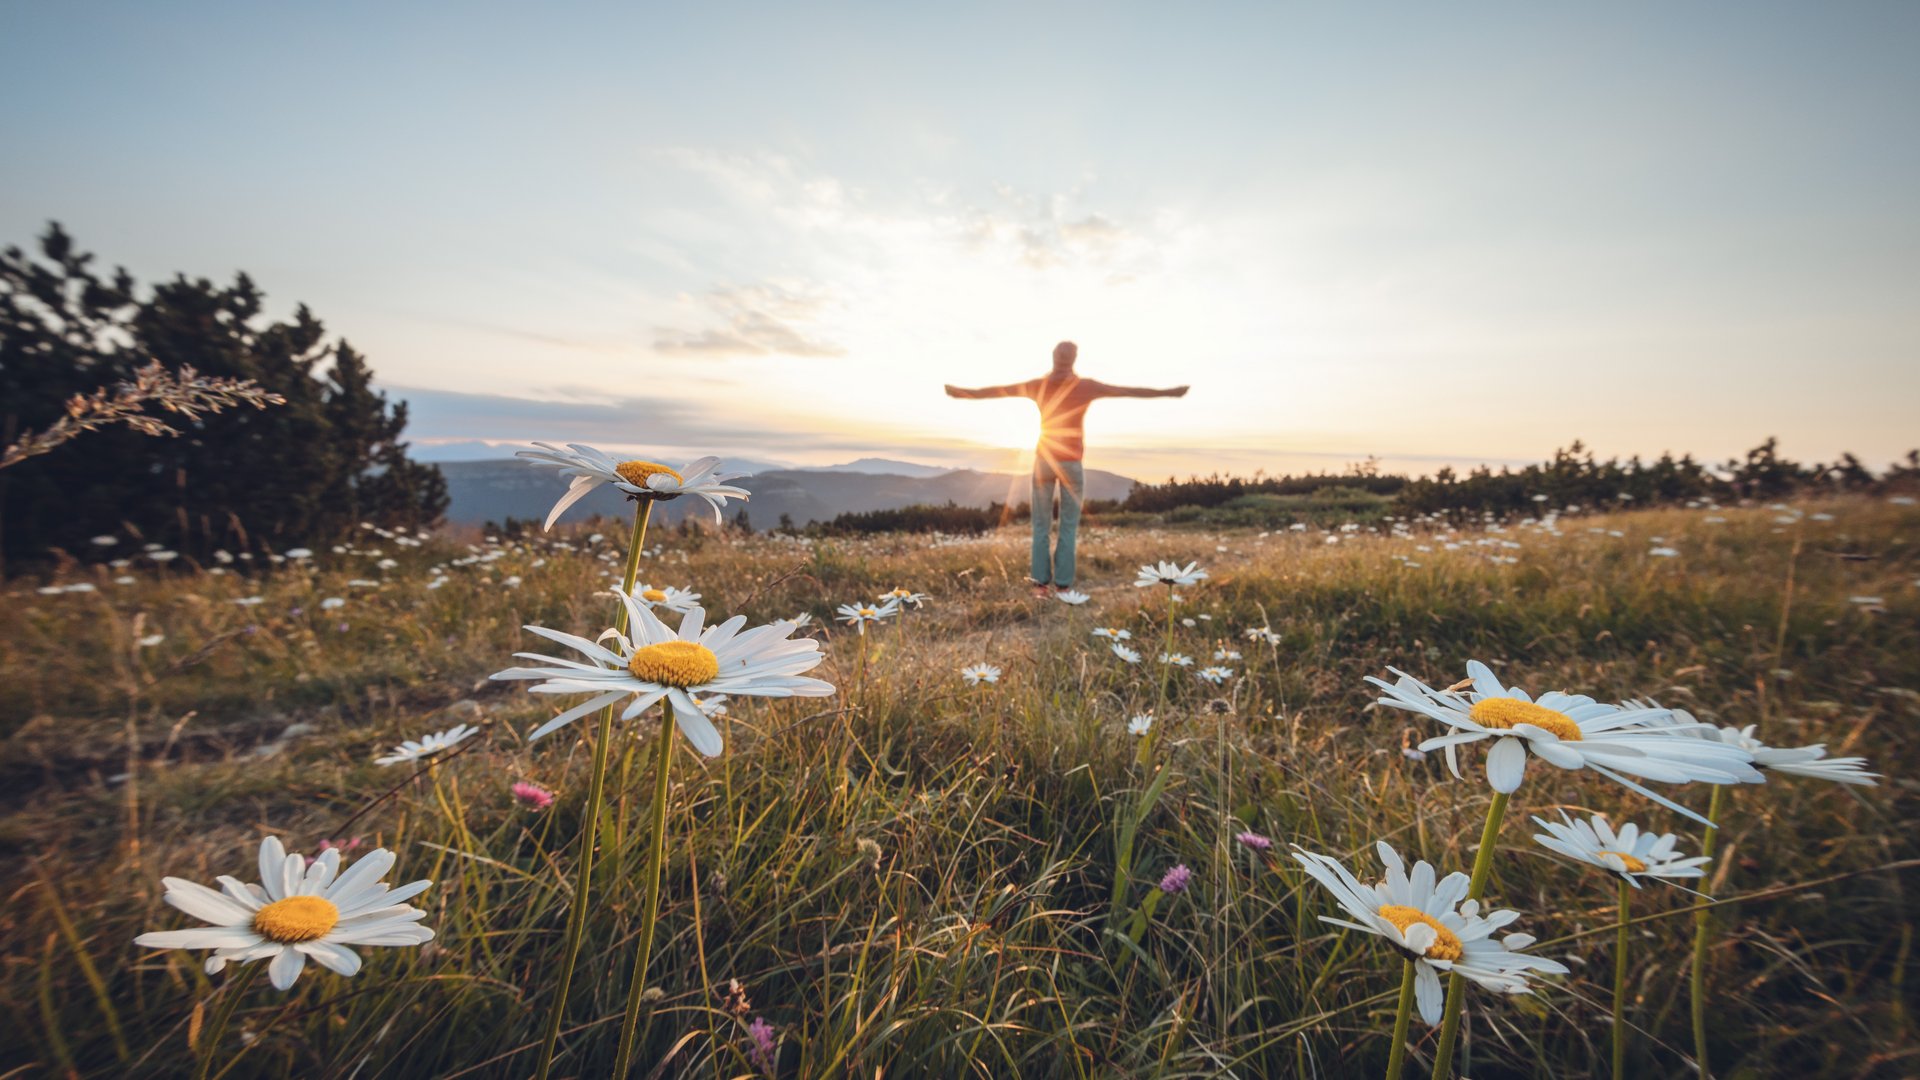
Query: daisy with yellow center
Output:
(1433,925)
(300,911)
(666,598)
(859,615)
(680,666)
(1629,855)
(1626,853)
(1570,731)
(588,468)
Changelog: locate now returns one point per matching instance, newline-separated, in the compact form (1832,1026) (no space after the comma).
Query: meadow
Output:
(921,877)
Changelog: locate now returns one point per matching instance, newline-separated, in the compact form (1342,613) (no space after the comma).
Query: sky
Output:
(1432,234)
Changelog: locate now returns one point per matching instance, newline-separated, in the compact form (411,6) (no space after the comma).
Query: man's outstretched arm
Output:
(1110,390)
(1009,390)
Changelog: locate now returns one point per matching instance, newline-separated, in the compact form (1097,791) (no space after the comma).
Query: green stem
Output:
(1152,736)
(590,824)
(1456,986)
(1397,1057)
(662,769)
(234,989)
(1702,929)
(1620,986)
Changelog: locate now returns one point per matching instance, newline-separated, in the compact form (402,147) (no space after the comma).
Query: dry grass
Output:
(918,882)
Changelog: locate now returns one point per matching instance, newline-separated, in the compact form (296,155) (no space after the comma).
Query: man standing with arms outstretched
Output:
(1063,398)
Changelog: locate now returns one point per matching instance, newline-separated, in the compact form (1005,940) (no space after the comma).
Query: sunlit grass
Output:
(920,886)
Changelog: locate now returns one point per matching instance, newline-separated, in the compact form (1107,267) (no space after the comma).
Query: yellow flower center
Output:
(636,472)
(1502,712)
(296,919)
(868,613)
(675,663)
(1634,866)
(655,595)
(1446,944)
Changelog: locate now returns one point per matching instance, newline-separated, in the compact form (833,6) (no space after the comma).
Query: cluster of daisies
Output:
(1434,922)
(303,909)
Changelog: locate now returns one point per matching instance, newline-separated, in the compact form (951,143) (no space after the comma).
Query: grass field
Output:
(915,878)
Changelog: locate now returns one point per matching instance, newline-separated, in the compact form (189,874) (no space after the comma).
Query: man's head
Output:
(1064,354)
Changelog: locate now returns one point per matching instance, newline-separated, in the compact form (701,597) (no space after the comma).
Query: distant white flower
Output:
(299,553)
(123,580)
(1140,724)
(163,556)
(362,583)
(332,603)
(151,640)
(1806,761)
(669,598)
(249,601)
(1664,552)
(429,745)
(105,540)
(1262,634)
(1112,633)
(1170,575)
(81,587)
(51,590)
(1432,923)
(1071,596)
(859,615)
(1176,659)
(905,597)
(1570,731)
(1124,653)
(1628,852)
(658,663)
(590,468)
(1225,654)
(298,912)
(805,618)
(1866,601)
(975,674)
(1214,675)
(1189,623)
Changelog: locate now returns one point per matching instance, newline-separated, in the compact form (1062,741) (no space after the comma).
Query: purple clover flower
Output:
(1176,879)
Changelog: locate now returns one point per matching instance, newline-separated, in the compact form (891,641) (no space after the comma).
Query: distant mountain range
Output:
(481,491)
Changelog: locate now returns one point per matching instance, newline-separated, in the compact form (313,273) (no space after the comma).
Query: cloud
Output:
(754,320)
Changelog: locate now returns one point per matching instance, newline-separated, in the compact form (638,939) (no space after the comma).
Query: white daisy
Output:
(1140,724)
(1072,596)
(1215,675)
(1170,575)
(1571,731)
(1177,659)
(657,664)
(1628,852)
(859,615)
(1809,761)
(975,674)
(641,479)
(670,598)
(429,745)
(1226,654)
(299,911)
(902,597)
(1112,633)
(1429,923)
(1124,653)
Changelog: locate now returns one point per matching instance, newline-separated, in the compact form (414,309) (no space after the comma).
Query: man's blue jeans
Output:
(1069,480)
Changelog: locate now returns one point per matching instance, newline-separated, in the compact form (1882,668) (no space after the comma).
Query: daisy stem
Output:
(1702,930)
(1397,1057)
(1456,986)
(662,768)
(1620,987)
(589,824)
(234,989)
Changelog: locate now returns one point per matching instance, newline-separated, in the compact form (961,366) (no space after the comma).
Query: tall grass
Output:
(923,884)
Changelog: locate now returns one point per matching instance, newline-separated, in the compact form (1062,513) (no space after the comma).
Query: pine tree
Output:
(299,473)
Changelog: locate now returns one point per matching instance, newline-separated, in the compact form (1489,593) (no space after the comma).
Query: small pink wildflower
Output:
(532,795)
(1255,841)
(761,1048)
(1176,879)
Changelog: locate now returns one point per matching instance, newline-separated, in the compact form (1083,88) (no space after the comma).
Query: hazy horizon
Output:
(1434,237)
